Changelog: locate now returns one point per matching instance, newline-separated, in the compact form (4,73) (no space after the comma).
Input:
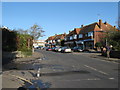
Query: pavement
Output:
(14,78)
(97,55)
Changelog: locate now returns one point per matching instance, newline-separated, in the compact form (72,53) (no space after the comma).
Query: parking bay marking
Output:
(95,69)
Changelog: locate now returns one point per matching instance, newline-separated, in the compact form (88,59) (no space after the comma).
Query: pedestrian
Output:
(108,51)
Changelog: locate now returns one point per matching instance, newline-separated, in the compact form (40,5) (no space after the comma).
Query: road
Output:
(68,70)
(62,70)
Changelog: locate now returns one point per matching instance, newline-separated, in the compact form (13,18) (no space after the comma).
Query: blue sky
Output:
(57,17)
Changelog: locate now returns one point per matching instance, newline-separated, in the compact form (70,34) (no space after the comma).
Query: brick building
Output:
(89,35)
(86,36)
(55,40)
(72,37)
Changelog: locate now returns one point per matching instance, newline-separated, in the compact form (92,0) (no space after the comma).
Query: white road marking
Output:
(88,79)
(95,69)
(111,78)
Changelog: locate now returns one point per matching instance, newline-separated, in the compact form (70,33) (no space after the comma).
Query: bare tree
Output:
(21,31)
(36,31)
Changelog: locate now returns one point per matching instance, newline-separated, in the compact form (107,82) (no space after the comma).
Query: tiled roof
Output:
(88,28)
(75,31)
(94,26)
(51,38)
(60,36)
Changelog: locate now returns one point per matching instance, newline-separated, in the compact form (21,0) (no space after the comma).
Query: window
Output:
(50,41)
(65,39)
(71,37)
(53,40)
(86,35)
(90,34)
(58,40)
(80,35)
(75,36)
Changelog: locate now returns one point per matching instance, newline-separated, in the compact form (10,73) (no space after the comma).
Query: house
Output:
(51,41)
(72,37)
(89,35)
(55,40)
(58,39)
(85,37)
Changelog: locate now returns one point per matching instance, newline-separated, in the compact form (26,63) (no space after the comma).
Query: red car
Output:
(49,49)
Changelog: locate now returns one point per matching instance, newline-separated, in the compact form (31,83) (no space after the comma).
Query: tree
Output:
(114,39)
(36,31)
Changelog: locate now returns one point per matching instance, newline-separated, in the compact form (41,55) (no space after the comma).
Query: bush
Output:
(27,52)
(98,44)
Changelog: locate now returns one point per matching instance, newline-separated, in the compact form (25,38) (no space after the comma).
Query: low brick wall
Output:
(113,54)
(9,56)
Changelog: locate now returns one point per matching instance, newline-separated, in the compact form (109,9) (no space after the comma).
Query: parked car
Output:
(49,49)
(42,48)
(77,49)
(46,48)
(66,49)
(53,48)
(58,49)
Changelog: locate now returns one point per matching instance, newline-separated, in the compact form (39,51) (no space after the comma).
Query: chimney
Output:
(115,27)
(55,34)
(82,26)
(69,31)
(100,23)
(105,22)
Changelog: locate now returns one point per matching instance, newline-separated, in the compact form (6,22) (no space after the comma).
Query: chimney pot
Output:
(105,22)
(82,26)
(100,23)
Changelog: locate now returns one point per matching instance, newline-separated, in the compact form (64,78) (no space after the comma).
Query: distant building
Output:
(55,40)
(39,43)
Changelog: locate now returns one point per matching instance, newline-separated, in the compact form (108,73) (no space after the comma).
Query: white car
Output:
(58,49)
(66,49)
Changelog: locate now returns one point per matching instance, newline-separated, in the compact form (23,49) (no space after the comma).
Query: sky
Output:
(57,17)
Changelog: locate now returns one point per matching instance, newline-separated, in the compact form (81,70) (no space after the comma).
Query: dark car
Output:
(39,47)
(77,49)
